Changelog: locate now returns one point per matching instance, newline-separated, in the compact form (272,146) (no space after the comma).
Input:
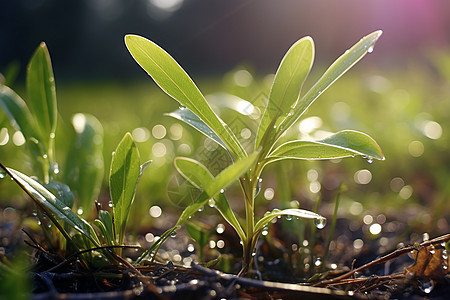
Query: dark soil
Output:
(280,271)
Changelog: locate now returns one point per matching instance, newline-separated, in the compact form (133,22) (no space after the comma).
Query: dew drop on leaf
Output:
(370,50)
(173,234)
(288,218)
(211,203)
(2,174)
(258,187)
(201,209)
(320,222)
(265,231)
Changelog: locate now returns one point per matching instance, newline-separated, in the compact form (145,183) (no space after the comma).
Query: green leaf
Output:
(106,220)
(193,171)
(84,169)
(124,175)
(287,84)
(42,94)
(21,118)
(199,234)
(336,70)
(201,178)
(224,179)
(342,144)
(190,118)
(173,80)
(46,199)
(293,212)
(63,192)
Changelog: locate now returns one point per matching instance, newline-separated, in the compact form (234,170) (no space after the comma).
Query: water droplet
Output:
(370,50)
(432,251)
(288,218)
(426,286)
(258,187)
(211,202)
(265,231)
(80,211)
(320,222)
(368,158)
(2,174)
(253,254)
(45,156)
(173,234)
(181,107)
(200,209)
(444,255)
(222,191)
(110,204)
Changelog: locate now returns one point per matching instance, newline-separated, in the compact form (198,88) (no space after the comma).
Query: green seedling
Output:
(286,104)
(83,172)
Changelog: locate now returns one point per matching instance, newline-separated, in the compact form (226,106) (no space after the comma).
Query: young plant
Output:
(36,119)
(83,171)
(285,106)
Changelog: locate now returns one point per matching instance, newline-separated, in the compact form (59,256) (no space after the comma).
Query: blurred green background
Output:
(399,95)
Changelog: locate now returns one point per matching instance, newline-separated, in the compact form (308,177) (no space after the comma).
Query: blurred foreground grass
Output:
(405,110)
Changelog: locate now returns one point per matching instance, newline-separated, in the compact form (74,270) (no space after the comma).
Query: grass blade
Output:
(173,80)
(124,175)
(42,95)
(336,70)
(287,84)
(293,212)
(345,143)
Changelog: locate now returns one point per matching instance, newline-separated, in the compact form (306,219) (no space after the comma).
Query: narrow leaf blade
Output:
(173,80)
(342,144)
(336,70)
(43,197)
(41,93)
(294,212)
(124,175)
(21,118)
(194,172)
(285,92)
(200,177)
